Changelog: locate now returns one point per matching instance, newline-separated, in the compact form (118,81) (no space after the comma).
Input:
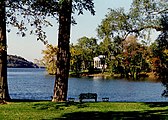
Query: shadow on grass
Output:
(157,104)
(109,115)
(25,100)
(151,114)
(112,115)
(58,106)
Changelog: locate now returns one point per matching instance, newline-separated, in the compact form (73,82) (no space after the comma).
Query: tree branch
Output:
(157,28)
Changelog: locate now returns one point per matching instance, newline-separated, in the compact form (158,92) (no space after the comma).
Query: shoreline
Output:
(148,77)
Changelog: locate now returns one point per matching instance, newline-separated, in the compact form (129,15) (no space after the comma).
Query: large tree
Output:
(17,13)
(160,53)
(143,16)
(3,54)
(9,10)
(82,54)
(63,56)
(63,9)
(88,48)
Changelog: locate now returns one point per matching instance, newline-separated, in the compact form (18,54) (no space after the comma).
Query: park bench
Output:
(105,99)
(88,96)
(71,100)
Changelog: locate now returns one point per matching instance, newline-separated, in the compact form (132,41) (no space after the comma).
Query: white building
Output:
(97,62)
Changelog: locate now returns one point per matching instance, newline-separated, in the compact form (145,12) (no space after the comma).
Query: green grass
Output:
(82,111)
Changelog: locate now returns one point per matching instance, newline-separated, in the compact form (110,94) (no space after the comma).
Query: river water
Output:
(35,84)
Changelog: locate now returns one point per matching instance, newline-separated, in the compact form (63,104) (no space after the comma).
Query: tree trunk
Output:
(4,94)
(63,55)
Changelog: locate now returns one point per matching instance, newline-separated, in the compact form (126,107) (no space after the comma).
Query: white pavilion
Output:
(97,62)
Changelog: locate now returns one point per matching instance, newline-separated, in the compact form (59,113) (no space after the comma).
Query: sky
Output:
(29,48)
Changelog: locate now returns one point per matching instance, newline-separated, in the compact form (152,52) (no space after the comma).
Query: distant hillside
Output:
(14,61)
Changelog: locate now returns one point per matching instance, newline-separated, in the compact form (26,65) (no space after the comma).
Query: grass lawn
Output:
(83,111)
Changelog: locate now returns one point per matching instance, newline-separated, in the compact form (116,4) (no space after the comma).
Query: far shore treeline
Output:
(128,58)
